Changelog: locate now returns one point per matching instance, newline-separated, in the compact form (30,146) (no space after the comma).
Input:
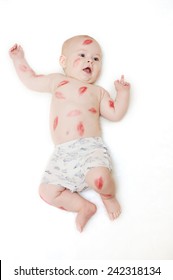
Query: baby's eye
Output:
(96,58)
(82,55)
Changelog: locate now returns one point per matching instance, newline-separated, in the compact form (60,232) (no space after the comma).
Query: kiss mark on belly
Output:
(55,123)
(74,113)
(87,42)
(62,83)
(99,183)
(59,95)
(80,129)
(92,110)
(82,90)
(111,104)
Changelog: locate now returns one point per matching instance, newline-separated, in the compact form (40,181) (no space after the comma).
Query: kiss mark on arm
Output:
(59,95)
(111,104)
(62,83)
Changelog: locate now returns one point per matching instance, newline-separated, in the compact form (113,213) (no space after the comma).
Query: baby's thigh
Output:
(49,192)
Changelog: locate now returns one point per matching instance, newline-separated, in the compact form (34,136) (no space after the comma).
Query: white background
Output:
(136,40)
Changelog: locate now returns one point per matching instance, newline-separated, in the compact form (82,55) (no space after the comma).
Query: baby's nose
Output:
(90,60)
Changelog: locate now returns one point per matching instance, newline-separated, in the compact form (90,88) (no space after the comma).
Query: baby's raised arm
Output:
(115,110)
(26,74)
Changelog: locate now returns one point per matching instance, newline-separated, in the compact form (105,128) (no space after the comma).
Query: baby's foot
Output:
(113,207)
(84,215)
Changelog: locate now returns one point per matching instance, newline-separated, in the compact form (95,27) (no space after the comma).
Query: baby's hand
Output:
(122,85)
(16,52)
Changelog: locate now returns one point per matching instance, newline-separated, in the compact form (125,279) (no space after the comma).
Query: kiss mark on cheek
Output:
(99,183)
(80,129)
(74,113)
(92,110)
(55,123)
(62,83)
(87,42)
(82,90)
(111,104)
(59,95)
(76,62)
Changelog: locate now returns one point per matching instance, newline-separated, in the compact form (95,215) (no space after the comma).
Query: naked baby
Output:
(80,158)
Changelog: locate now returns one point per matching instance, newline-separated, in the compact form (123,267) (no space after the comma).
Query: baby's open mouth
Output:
(87,70)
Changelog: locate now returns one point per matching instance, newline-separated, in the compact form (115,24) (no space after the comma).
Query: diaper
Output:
(71,161)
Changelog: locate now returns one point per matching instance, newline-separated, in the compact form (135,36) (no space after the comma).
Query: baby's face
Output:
(83,59)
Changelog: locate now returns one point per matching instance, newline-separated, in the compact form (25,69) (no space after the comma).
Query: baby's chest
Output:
(76,93)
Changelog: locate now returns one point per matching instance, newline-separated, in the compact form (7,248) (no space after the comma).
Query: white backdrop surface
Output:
(136,38)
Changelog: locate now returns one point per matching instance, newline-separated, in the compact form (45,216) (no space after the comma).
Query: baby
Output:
(80,158)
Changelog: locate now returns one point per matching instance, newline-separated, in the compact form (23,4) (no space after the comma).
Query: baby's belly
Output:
(63,131)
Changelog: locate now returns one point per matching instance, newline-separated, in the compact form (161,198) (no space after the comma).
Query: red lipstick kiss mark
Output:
(99,183)
(92,110)
(59,95)
(74,113)
(87,42)
(62,83)
(55,123)
(82,90)
(111,104)
(23,68)
(80,128)
(62,208)
(106,195)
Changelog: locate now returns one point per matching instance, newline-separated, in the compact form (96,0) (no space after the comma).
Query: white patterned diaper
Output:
(71,161)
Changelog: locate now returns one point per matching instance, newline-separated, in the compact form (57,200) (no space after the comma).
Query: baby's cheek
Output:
(76,62)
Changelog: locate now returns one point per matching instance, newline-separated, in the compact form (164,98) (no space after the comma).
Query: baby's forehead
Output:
(82,43)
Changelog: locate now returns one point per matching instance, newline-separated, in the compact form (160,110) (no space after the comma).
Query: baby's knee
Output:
(99,178)
(48,193)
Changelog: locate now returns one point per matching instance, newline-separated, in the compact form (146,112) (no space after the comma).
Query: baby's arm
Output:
(115,110)
(29,78)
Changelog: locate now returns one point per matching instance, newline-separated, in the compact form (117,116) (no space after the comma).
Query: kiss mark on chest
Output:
(92,110)
(82,90)
(99,183)
(74,113)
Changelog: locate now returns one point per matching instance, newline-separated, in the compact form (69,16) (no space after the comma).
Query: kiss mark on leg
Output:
(87,42)
(92,110)
(99,183)
(55,123)
(111,104)
(74,113)
(59,95)
(62,83)
(82,90)
(62,208)
(106,195)
(80,128)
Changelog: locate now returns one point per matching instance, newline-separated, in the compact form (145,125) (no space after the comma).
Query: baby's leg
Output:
(100,179)
(64,199)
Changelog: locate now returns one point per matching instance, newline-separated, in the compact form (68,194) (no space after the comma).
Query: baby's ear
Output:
(62,61)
